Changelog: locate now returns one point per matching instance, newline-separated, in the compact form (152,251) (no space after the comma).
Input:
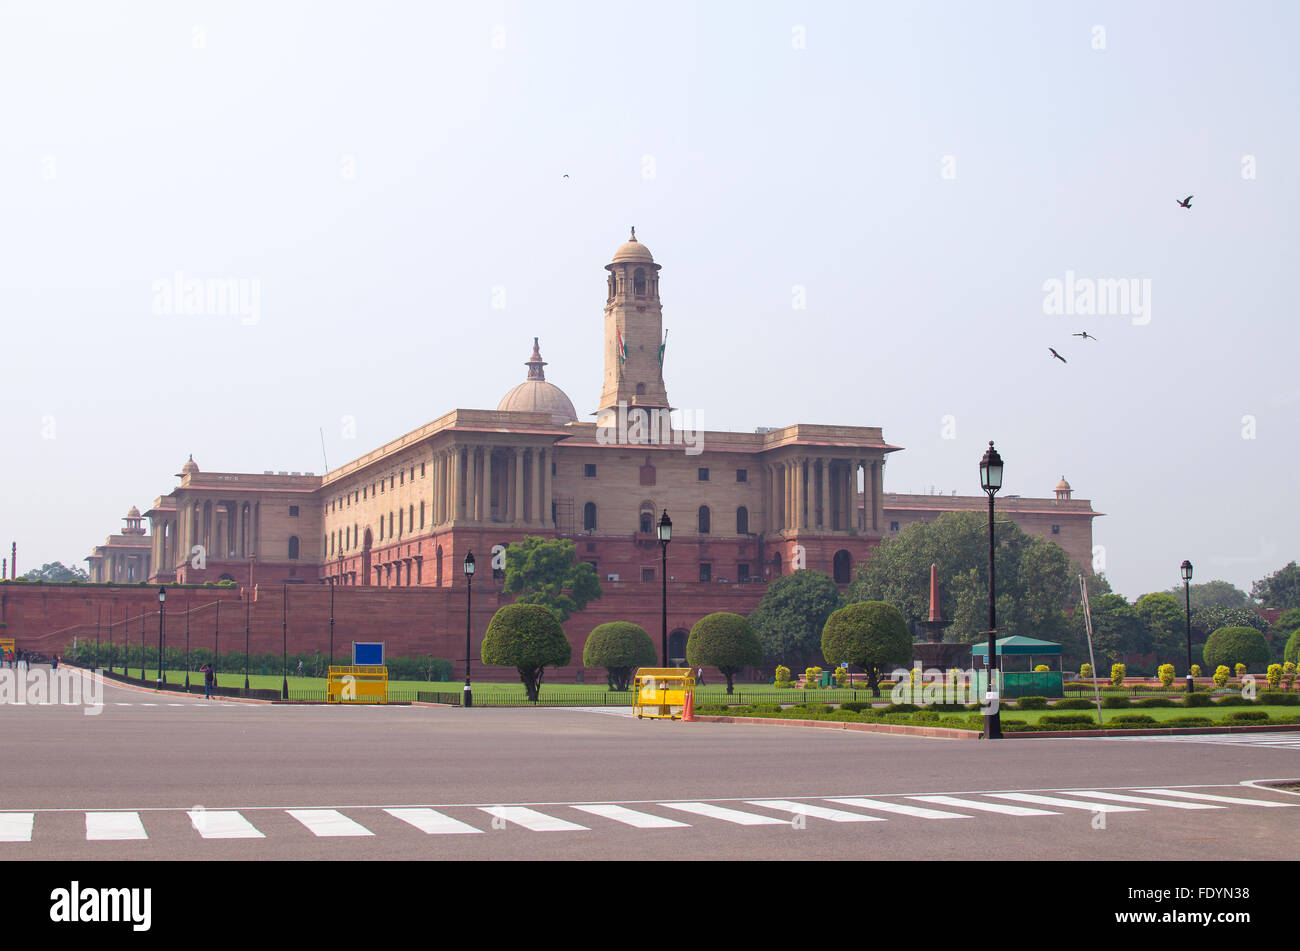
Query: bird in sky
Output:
(1186,202)
(1085,335)
(566,174)
(1057,355)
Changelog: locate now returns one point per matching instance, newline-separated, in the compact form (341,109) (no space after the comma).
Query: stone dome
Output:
(1062,486)
(633,250)
(134,513)
(535,395)
(190,467)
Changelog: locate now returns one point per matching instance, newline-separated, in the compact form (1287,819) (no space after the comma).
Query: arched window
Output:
(647,523)
(638,282)
(422,515)
(704,520)
(842,566)
(776,565)
(589,517)
(742,521)
(293,547)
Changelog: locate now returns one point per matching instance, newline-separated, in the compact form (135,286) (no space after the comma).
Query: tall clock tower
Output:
(633,333)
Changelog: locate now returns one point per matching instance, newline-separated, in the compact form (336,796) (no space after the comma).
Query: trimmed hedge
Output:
(1189,722)
(1279,698)
(1031,703)
(1131,721)
(1116,703)
(1233,700)
(1196,700)
(1248,716)
(1065,721)
(1076,703)
(1155,702)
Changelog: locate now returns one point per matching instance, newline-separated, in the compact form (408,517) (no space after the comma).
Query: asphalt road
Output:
(164,777)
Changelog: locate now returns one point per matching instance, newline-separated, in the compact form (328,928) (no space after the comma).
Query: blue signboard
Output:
(368,653)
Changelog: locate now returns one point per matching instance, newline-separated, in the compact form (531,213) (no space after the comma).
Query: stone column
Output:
(877,495)
(824,487)
(472,495)
(517,464)
(546,489)
(538,518)
(489,477)
(457,466)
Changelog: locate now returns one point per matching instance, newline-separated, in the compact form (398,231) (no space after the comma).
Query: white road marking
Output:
(532,820)
(1141,800)
(901,809)
(102,826)
(726,815)
(431,822)
(985,806)
(328,822)
(1067,803)
(1209,798)
(816,812)
(630,817)
(16,826)
(222,824)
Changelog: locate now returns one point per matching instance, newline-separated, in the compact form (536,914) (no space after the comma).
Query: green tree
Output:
(544,571)
(1117,628)
(1034,579)
(1230,646)
(620,647)
(56,571)
(1166,621)
(1291,652)
(1281,589)
(1288,622)
(1208,620)
(725,641)
(529,638)
(790,618)
(871,634)
(1213,594)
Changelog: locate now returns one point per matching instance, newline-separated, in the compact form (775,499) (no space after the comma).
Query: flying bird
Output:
(1085,335)
(1057,355)
(1186,202)
(566,174)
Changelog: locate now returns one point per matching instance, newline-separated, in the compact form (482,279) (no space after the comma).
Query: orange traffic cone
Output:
(688,711)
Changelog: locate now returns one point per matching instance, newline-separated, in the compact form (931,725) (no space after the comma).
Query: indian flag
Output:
(622,347)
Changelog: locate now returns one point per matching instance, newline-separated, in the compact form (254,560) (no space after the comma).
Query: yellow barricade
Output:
(363,684)
(660,692)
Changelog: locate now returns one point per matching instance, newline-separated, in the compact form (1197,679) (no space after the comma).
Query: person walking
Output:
(54,662)
(209,675)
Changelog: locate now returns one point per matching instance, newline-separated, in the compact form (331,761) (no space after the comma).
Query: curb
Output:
(898,729)
(138,689)
(1158,731)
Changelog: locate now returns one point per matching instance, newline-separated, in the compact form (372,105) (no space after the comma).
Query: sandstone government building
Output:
(746,507)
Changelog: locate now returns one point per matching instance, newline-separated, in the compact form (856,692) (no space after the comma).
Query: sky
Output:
(860,210)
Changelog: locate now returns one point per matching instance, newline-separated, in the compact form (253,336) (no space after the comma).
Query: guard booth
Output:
(1016,656)
(361,683)
(660,692)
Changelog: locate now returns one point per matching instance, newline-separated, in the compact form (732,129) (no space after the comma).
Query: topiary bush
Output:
(1182,722)
(1031,703)
(1166,674)
(1041,669)
(1066,721)
(1196,700)
(1278,698)
(1117,674)
(1274,676)
(620,647)
(1116,703)
(1131,721)
(1233,700)
(1075,703)
(1196,670)
(925,717)
(529,638)
(1236,645)
(1291,652)
(1248,716)
(1239,670)
(725,641)
(1155,702)
(1085,672)
(1221,676)
(900,708)
(870,634)
(782,678)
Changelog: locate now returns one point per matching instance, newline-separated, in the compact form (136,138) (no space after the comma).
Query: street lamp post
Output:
(1187,592)
(991,482)
(248,599)
(469,584)
(665,529)
(216,643)
(162,599)
(110,638)
(284,627)
(187,644)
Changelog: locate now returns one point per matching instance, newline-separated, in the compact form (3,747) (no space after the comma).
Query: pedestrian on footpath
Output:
(208,676)
(54,662)
(299,668)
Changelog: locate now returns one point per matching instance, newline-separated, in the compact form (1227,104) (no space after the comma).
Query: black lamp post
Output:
(162,599)
(284,626)
(142,648)
(991,482)
(187,644)
(216,643)
(248,602)
(469,584)
(665,529)
(1187,591)
(110,638)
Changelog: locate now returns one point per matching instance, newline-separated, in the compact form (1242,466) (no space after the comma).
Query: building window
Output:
(646,523)
(742,475)
(381,488)
(594,567)
(422,470)
(638,282)
(390,524)
(364,491)
(1056,529)
(589,517)
(704,520)
(401,517)
(381,528)
(390,482)
(410,515)
(591,546)
(589,470)
(742,521)
(647,574)
(706,571)
(893,526)
(703,475)
(742,572)
(422,515)
(293,547)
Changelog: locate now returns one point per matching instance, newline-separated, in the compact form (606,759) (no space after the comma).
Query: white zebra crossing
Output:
(1281,740)
(212,824)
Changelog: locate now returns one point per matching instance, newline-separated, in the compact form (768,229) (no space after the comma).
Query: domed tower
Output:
(1063,490)
(535,395)
(133,519)
(634,372)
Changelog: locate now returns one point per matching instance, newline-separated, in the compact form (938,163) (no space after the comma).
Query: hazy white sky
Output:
(388,179)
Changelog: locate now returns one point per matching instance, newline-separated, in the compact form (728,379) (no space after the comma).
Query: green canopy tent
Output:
(1022,683)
